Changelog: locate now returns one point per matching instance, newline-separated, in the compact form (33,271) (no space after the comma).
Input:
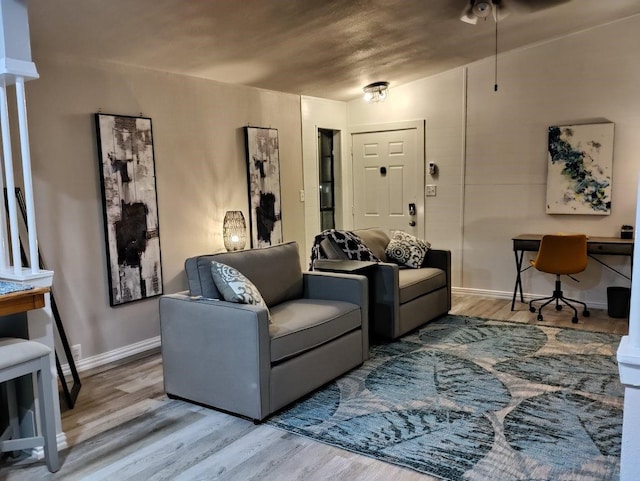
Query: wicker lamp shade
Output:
(234,231)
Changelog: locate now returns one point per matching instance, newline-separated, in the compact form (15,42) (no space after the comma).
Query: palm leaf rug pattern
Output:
(477,400)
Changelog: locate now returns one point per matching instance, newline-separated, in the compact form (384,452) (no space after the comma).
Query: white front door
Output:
(388,177)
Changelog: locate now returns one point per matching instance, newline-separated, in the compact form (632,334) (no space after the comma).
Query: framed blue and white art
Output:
(579,166)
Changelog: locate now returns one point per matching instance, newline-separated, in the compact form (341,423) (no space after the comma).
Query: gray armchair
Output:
(402,298)
(228,356)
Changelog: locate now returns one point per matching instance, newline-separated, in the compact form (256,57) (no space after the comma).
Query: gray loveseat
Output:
(403,298)
(228,356)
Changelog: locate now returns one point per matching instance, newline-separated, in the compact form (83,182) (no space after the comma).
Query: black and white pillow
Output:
(407,250)
(235,287)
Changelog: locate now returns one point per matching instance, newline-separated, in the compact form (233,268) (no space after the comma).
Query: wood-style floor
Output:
(230,448)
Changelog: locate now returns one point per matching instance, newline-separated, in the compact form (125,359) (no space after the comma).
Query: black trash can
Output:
(618,301)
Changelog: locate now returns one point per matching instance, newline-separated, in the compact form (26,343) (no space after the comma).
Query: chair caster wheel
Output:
(574,320)
(532,309)
(586,313)
(558,308)
(539,317)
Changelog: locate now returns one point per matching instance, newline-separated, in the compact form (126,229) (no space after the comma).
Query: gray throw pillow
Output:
(235,287)
(407,250)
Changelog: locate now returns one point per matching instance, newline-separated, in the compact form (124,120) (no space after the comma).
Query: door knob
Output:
(412,223)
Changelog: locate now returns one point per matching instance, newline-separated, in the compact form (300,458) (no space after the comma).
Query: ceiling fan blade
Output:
(535,5)
(500,10)
(468,16)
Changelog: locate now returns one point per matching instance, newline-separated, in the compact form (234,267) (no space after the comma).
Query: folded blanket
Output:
(340,241)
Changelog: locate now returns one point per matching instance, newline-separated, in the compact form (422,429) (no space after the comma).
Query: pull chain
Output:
(495,86)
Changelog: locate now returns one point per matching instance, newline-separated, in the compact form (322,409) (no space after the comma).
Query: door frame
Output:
(420,127)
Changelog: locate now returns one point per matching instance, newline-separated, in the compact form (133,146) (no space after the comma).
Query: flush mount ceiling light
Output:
(376,92)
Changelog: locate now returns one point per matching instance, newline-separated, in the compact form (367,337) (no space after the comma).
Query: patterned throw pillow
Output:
(235,287)
(407,250)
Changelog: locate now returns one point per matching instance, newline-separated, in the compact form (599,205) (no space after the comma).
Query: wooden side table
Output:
(344,266)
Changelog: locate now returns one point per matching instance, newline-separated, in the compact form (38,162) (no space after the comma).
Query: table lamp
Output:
(234,231)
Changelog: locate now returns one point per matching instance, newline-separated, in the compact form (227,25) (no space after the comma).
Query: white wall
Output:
(490,149)
(200,172)
(588,77)
(497,143)
(439,100)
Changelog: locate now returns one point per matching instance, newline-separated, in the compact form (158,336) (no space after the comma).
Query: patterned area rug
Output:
(478,400)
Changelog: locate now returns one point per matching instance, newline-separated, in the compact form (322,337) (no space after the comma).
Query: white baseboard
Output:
(37,453)
(112,356)
(482,293)
(509,295)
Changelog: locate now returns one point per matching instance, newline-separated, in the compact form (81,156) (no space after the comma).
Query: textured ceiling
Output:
(326,48)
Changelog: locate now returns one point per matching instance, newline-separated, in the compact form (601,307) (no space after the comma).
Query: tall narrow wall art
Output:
(263,170)
(579,169)
(130,206)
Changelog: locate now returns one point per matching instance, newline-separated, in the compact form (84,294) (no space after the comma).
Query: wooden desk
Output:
(22,301)
(609,246)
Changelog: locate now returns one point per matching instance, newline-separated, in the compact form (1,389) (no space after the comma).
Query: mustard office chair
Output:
(561,254)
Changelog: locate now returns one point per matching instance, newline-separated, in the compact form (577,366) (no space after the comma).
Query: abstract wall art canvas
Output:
(580,159)
(130,206)
(263,170)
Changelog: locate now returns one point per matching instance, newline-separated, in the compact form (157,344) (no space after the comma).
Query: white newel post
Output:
(16,67)
(629,366)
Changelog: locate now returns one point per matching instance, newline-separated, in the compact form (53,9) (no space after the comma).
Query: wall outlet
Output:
(431,191)
(302,196)
(76,352)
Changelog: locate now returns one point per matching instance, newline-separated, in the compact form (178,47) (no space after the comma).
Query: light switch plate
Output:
(431,190)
